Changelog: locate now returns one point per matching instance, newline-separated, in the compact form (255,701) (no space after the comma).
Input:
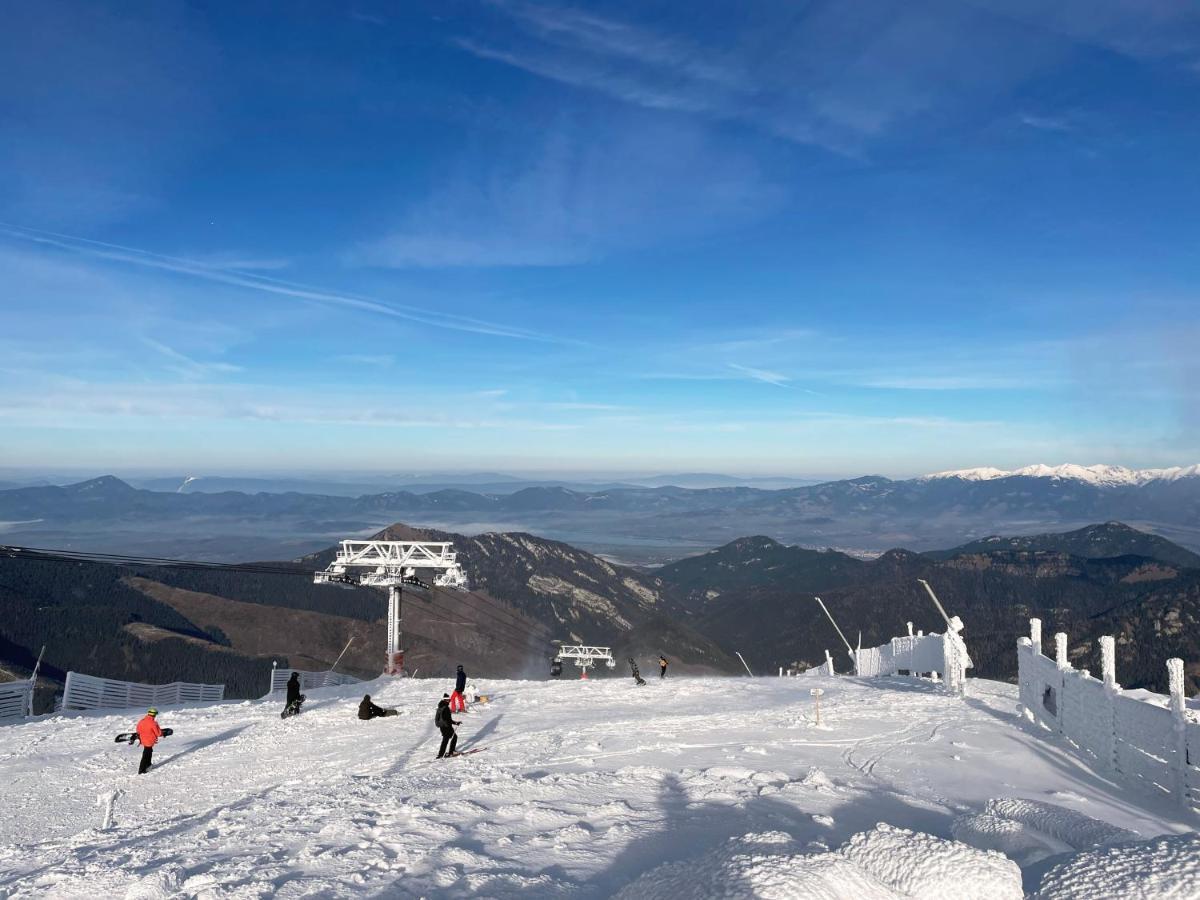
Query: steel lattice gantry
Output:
(392,564)
(585,656)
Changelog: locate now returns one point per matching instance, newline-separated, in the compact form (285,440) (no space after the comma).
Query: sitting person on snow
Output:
(368,710)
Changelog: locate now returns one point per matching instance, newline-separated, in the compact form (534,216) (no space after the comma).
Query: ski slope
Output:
(684,787)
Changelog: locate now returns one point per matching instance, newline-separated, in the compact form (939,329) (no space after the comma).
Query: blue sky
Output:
(815,238)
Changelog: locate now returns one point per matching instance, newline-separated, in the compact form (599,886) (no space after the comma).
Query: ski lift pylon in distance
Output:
(585,656)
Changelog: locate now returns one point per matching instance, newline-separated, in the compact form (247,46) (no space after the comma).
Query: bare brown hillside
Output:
(441,628)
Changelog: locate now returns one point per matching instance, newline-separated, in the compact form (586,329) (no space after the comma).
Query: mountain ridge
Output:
(650,525)
(1103,475)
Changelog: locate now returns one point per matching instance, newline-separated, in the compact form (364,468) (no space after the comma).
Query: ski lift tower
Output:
(585,656)
(393,564)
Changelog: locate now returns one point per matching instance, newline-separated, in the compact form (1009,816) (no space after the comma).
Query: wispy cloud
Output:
(240,262)
(765,339)
(823,90)
(378,361)
(186,367)
(264,284)
(838,76)
(1045,123)
(590,407)
(938,382)
(62,402)
(572,198)
(763,375)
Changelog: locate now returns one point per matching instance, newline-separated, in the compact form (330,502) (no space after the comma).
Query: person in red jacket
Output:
(148,733)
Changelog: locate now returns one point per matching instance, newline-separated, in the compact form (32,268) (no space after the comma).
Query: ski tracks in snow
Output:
(583,789)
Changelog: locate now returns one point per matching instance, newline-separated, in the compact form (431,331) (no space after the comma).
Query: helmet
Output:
(152,711)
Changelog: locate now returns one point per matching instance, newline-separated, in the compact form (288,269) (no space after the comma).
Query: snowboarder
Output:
(637,676)
(368,710)
(458,700)
(662,667)
(294,697)
(148,733)
(446,724)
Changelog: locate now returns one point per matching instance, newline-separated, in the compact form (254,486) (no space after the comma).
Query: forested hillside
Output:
(179,623)
(85,614)
(757,596)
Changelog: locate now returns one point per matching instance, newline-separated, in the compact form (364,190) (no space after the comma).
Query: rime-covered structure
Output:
(946,654)
(1151,745)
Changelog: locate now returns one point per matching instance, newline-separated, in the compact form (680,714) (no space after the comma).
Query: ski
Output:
(464,752)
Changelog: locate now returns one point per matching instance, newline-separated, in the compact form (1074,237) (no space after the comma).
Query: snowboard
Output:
(637,676)
(130,737)
(383,715)
(293,709)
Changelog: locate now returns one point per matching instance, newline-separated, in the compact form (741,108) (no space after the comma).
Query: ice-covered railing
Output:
(16,700)
(943,654)
(825,668)
(16,697)
(1151,743)
(89,692)
(310,680)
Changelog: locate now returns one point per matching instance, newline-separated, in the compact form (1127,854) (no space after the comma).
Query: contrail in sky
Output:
(148,259)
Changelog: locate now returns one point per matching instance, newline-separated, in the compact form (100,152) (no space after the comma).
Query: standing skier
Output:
(294,697)
(148,733)
(458,700)
(662,667)
(446,724)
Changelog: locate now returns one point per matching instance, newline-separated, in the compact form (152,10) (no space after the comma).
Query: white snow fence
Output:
(16,700)
(1152,744)
(946,654)
(310,680)
(89,692)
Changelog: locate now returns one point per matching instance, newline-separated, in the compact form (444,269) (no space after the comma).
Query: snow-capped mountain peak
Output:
(1100,475)
(983,473)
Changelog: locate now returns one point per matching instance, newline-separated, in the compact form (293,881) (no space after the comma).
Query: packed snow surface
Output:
(1104,476)
(1164,867)
(704,787)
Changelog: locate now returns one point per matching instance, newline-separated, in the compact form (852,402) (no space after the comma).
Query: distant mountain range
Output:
(645,525)
(1105,476)
(479,482)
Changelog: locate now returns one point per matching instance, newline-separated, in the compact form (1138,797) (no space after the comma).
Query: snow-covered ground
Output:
(687,787)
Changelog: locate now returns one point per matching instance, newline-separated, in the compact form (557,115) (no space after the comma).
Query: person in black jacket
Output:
(294,697)
(458,700)
(368,710)
(444,722)
(662,667)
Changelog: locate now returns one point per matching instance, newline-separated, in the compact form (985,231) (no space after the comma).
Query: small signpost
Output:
(816,695)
